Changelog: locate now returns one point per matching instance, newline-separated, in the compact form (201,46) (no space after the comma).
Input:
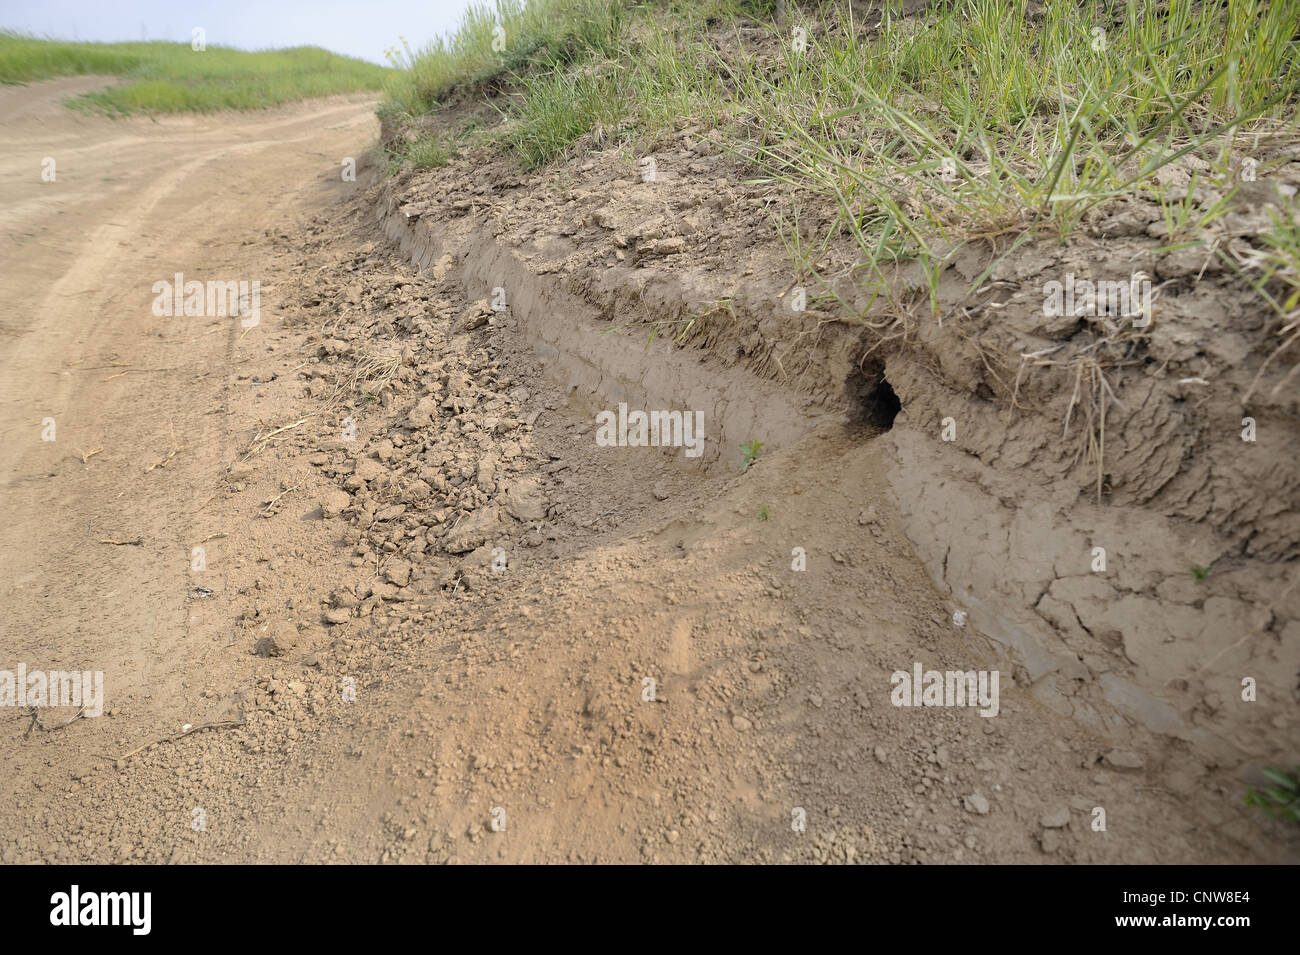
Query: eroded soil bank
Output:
(1136,568)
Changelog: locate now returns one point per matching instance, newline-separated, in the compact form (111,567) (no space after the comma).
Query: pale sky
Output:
(361,28)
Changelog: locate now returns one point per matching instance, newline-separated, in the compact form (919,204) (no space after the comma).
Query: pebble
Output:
(279,640)
(977,804)
(332,503)
(1123,759)
(398,572)
(1058,818)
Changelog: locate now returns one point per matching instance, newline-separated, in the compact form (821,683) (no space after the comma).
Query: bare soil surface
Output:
(427,603)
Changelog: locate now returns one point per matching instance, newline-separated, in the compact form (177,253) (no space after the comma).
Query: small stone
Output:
(332,503)
(1058,818)
(525,501)
(422,414)
(977,804)
(367,469)
(472,531)
(279,640)
(740,724)
(474,316)
(398,572)
(343,598)
(486,477)
(1123,759)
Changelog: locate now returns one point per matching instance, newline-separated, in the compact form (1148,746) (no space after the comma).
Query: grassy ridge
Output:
(503,38)
(971,75)
(972,119)
(171,77)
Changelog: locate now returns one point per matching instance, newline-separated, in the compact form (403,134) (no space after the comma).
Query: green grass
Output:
(1280,800)
(429,152)
(541,33)
(171,77)
(567,67)
(643,84)
(975,113)
(974,122)
(557,108)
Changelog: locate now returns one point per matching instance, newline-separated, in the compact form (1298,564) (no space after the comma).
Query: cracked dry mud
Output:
(366,686)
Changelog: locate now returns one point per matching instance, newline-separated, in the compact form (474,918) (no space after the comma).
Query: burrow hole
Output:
(872,397)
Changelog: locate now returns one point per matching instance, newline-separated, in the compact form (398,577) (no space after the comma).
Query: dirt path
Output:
(369,688)
(132,203)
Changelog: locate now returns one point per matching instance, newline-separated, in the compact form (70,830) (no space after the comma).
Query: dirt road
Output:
(363,587)
(132,202)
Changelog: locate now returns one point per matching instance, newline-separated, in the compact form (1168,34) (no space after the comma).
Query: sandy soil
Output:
(347,678)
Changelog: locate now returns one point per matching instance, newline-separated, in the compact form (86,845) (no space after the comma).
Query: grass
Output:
(973,120)
(557,108)
(976,122)
(570,67)
(429,152)
(172,77)
(494,41)
(641,83)
(973,123)
(1273,270)
(1280,800)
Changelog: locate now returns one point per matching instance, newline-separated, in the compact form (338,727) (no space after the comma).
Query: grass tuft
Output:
(498,40)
